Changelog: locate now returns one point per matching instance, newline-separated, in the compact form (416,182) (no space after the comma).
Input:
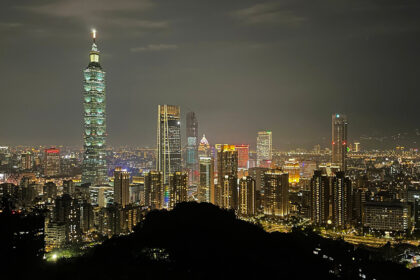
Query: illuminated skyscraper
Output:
(52,162)
(264,148)
(227,165)
(153,190)
(94,169)
(121,187)
(26,161)
(178,182)
(192,148)
(320,198)
(206,186)
(276,193)
(331,198)
(204,148)
(168,141)
(339,140)
(243,155)
(247,192)
(342,202)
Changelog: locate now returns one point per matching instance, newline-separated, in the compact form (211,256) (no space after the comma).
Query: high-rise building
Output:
(320,198)
(257,173)
(243,155)
(153,190)
(121,187)
(276,193)
(264,148)
(192,148)
(342,204)
(26,161)
(331,198)
(51,162)
(178,183)
(206,186)
(94,168)
(339,141)
(247,201)
(227,165)
(168,141)
(204,147)
(67,211)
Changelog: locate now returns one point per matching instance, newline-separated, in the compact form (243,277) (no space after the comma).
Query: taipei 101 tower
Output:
(94,168)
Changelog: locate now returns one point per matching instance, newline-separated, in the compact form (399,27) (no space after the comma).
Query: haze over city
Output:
(242,66)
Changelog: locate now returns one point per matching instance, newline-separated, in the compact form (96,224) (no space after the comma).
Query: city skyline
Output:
(255,138)
(310,61)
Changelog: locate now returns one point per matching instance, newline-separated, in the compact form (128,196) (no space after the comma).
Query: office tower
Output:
(51,162)
(339,141)
(243,155)
(206,186)
(229,192)
(121,187)
(94,167)
(68,187)
(153,189)
(178,184)
(342,204)
(276,193)
(192,148)
(293,168)
(320,198)
(247,201)
(227,166)
(264,148)
(26,161)
(204,147)
(168,141)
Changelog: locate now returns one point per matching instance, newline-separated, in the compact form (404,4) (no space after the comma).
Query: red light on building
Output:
(52,151)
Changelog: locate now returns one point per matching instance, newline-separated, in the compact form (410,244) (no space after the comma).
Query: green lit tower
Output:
(94,169)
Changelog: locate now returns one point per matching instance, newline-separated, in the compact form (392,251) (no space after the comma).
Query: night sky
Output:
(242,66)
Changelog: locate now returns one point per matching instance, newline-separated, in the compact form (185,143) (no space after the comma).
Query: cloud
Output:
(86,9)
(267,13)
(138,23)
(8,25)
(152,48)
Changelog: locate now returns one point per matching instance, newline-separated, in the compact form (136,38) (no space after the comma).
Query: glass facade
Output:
(94,170)
(168,141)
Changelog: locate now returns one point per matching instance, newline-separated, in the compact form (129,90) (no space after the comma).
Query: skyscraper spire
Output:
(94,53)
(94,35)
